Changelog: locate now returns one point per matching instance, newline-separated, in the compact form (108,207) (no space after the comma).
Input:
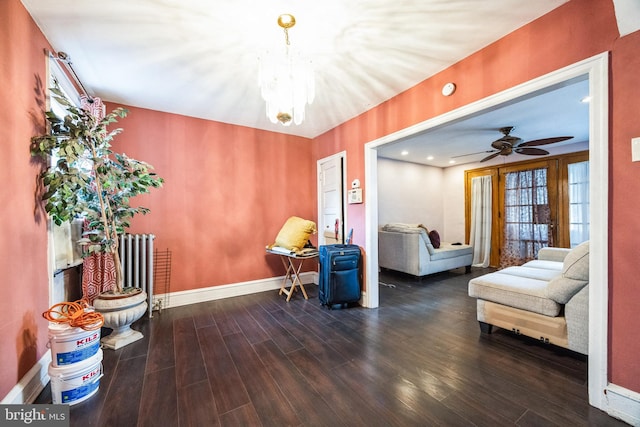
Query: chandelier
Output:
(286,79)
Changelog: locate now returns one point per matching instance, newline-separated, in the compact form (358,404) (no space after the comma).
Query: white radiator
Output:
(136,255)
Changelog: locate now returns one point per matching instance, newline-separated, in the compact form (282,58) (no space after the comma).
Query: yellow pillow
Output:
(295,233)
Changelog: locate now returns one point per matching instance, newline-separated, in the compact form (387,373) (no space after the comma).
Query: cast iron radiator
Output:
(136,255)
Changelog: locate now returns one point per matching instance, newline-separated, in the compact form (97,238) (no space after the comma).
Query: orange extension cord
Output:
(75,315)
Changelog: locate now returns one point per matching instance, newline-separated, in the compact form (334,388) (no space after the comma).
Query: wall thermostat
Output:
(355,196)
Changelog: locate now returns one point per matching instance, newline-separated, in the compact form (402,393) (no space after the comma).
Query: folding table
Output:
(292,263)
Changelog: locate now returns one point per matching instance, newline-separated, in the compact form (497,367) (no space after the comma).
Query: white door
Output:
(330,200)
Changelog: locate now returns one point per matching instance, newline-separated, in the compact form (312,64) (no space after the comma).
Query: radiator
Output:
(136,256)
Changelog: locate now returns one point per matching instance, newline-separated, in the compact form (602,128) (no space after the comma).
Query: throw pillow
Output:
(576,263)
(295,233)
(574,277)
(435,238)
(561,289)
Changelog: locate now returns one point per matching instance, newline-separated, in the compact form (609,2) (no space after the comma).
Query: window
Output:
(578,183)
(64,237)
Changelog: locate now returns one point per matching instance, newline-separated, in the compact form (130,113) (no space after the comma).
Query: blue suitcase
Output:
(340,274)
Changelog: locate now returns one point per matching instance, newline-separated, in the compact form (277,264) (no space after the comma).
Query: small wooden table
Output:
(292,263)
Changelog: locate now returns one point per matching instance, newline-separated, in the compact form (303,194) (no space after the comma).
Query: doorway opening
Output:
(596,70)
(332,213)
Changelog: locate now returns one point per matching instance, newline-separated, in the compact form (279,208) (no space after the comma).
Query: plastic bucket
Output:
(72,345)
(75,383)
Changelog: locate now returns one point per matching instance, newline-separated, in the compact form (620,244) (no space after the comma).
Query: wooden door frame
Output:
(561,226)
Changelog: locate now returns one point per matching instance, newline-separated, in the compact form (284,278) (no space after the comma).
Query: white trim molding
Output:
(30,386)
(195,296)
(623,404)
(598,70)
(372,298)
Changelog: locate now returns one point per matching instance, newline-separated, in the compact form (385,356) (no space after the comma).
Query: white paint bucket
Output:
(71,345)
(75,383)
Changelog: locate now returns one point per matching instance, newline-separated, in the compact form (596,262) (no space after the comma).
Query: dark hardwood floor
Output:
(418,360)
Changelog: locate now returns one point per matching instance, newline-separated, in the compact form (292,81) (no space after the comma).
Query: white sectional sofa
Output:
(547,298)
(407,248)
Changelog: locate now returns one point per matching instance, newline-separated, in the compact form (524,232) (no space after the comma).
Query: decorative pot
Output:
(119,312)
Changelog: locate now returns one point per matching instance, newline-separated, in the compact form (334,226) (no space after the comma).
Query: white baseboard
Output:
(30,386)
(194,296)
(623,404)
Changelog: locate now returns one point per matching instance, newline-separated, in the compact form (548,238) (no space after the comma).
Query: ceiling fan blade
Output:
(531,151)
(497,153)
(472,154)
(544,141)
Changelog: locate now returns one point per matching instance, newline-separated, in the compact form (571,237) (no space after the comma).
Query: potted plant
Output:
(89,180)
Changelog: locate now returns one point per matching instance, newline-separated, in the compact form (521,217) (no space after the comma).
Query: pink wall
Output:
(228,190)
(24,292)
(575,31)
(623,207)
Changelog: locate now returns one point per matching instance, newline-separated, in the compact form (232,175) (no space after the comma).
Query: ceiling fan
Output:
(509,144)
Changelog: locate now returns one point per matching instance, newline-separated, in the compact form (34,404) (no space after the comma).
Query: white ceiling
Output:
(554,111)
(199,57)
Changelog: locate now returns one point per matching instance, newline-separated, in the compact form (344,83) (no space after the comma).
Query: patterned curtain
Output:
(527,216)
(93,106)
(98,269)
(98,275)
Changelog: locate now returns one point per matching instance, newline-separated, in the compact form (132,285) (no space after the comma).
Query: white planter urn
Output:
(119,312)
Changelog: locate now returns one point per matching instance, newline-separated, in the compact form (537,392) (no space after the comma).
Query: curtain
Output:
(480,236)
(526,216)
(93,106)
(98,275)
(578,202)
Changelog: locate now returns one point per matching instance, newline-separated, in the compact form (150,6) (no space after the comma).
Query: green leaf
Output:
(85,165)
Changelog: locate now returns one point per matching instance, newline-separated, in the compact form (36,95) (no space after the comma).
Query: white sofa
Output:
(547,298)
(407,248)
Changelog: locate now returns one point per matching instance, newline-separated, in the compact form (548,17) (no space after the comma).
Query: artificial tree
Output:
(88,179)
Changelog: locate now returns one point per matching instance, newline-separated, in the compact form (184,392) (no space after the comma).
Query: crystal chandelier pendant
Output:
(286,80)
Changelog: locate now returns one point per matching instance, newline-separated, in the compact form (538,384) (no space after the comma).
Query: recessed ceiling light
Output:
(429,157)
(404,152)
(586,99)
(451,162)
